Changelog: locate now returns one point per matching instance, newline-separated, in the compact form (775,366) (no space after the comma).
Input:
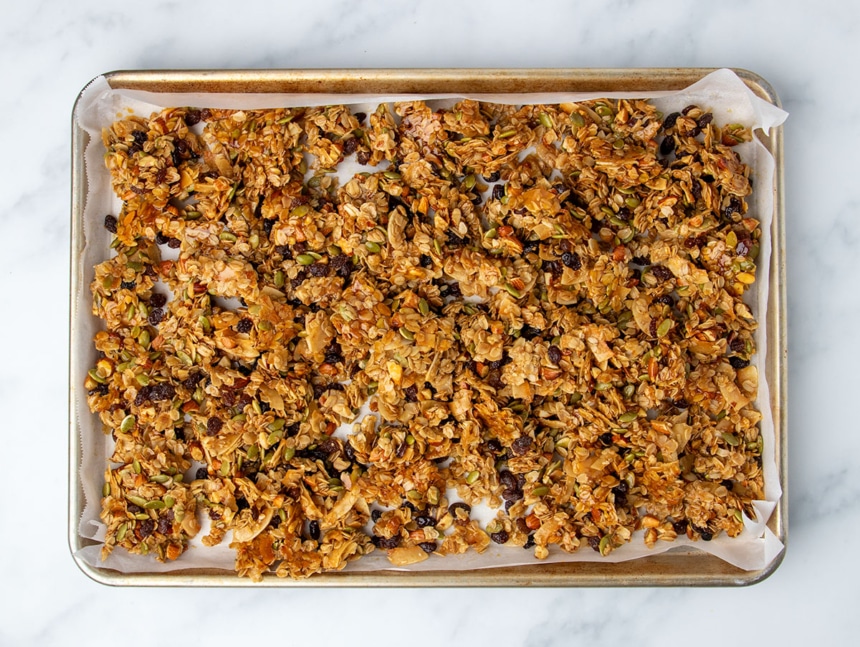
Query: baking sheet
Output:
(722,92)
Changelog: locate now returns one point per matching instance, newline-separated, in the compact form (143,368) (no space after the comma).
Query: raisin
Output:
(111,223)
(680,527)
(696,190)
(376,515)
(342,265)
(454,290)
(661,273)
(704,120)
(314,530)
(350,145)
(667,146)
(553,267)
(733,207)
(425,261)
(521,445)
(244,326)
(512,494)
(531,247)
(424,520)
(192,117)
(411,393)
(554,354)
(157,300)
(605,439)
(453,240)
(161,392)
(293,429)
(133,509)
(688,109)
(508,479)
(500,537)
(665,299)
(242,503)
(276,521)
(386,544)
(318,269)
(147,527)
(459,505)
(738,362)
(362,157)
(165,525)
(360,117)
(213,426)
(201,473)
(594,542)
(161,239)
(530,541)
(214,515)
(529,332)
(155,316)
(670,120)
(571,260)
(428,547)
(728,484)
(333,353)
(493,177)
(498,192)
(738,345)
(494,446)
(128,285)
(174,243)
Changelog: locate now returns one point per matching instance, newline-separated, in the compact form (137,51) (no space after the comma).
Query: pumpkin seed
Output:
(507,133)
(136,500)
(513,291)
(127,424)
(576,120)
(664,327)
(301,210)
(93,373)
(406,334)
(730,439)
(305,259)
(142,379)
(169,501)
(630,416)
(276,425)
(253,452)
(227,237)
(373,247)
(469,182)
(289,452)
(279,279)
(423,307)
(472,476)
(392,175)
(135,465)
(120,533)
(106,489)
(603,545)
(545,120)
(155,505)
(632,202)
(541,490)
(160,478)
(618,144)
(629,390)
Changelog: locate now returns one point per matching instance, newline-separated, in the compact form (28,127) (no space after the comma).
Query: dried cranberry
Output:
(111,223)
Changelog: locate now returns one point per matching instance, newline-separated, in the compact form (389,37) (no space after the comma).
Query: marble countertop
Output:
(52,49)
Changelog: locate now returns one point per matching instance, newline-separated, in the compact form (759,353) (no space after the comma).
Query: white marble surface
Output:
(51,49)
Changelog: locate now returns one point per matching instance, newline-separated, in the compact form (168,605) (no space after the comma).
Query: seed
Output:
(373,247)
(603,546)
(305,259)
(155,505)
(121,531)
(136,500)
(604,111)
(279,279)
(576,120)
(629,390)
(289,452)
(160,478)
(169,501)
(423,307)
(407,334)
(507,133)
(540,490)
(301,210)
(472,476)
(630,416)
(227,237)
(618,144)
(664,328)
(632,202)
(545,120)
(731,439)
(469,182)
(135,465)
(491,233)
(746,277)
(93,373)
(513,291)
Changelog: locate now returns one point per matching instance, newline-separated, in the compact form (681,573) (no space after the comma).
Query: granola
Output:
(542,306)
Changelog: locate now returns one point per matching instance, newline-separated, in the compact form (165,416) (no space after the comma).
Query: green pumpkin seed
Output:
(305,259)
(227,237)
(142,379)
(106,489)
(730,439)
(541,490)
(135,465)
(406,334)
(392,175)
(472,476)
(279,279)
(334,250)
(273,438)
(289,452)
(143,339)
(372,247)
(300,211)
(576,120)
(618,144)
(160,478)
(664,327)
(127,424)
(604,111)
(632,202)
(205,323)
(93,373)
(629,390)
(490,234)
(603,546)
(155,505)
(225,469)
(371,388)
(513,291)
(136,500)
(169,501)
(545,120)
(276,425)
(469,182)
(630,416)
(423,307)
(121,531)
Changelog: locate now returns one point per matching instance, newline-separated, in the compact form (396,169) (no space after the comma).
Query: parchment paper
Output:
(721,92)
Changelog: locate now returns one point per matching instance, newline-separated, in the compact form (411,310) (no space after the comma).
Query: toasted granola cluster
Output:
(542,304)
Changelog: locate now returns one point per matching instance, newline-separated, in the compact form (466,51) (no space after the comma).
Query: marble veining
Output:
(808,51)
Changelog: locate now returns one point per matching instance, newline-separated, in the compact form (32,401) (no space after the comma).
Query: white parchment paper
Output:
(721,92)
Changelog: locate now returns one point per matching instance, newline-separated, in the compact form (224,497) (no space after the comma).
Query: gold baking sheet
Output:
(677,567)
